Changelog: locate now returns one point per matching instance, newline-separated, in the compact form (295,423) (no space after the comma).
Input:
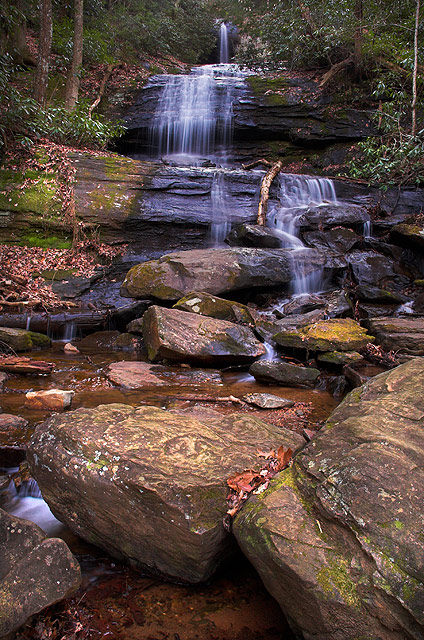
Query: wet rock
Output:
(267,401)
(253,235)
(70,348)
(99,340)
(22,340)
(207,305)
(337,538)
(52,399)
(135,375)
(13,430)
(267,328)
(75,287)
(339,334)
(337,304)
(215,271)
(373,269)
(129,342)
(398,334)
(303,303)
(328,216)
(283,373)
(148,485)
(409,234)
(341,240)
(339,358)
(35,571)
(188,337)
(379,296)
(126,314)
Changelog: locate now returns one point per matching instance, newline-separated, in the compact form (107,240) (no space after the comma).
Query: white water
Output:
(221,211)
(367,231)
(223,44)
(194,113)
(296,194)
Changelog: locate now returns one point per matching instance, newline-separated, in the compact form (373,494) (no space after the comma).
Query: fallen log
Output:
(211,399)
(265,187)
(15,364)
(335,69)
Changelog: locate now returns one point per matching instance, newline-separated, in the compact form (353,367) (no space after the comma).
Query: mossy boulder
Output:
(409,234)
(215,271)
(187,337)
(35,571)
(205,304)
(339,358)
(337,538)
(338,334)
(22,340)
(148,485)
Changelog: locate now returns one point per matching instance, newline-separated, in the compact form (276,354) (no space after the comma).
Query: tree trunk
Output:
(357,56)
(266,184)
(414,77)
(73,78)
(44,48)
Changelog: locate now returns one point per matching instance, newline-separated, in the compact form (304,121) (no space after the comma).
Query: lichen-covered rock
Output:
(215,271)
(337,539)
(398,334)
(181,336)
(35,571)
(149,485)
(135,375)
(337,334)
(284,373)
(409,234)
(339,358)
(22,340)
(207,305)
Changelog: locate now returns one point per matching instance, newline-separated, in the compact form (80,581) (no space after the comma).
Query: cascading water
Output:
(223,44)
(296,194)
(194,113)
(221,219)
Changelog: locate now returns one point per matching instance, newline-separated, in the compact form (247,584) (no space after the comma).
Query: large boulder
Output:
(410,234)
(336,334)
(207,305)
(35,571)
(149,485)
(338,538)
(284,373)
(398,334)
(215,271)
(373,269)
(183,336)
(22,340)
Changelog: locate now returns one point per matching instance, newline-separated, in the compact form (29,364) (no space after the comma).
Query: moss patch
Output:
(270,90)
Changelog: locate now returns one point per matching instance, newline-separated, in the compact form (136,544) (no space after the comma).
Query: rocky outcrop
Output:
(341,334)
(136,375)
(284,373)
(337,538)
(398,334)
(215,271)
(187,337)
(35,571)
(148,485)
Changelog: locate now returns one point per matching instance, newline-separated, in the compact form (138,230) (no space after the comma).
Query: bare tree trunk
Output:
(44,48)
(414,77)
(357,58)
(73,78)
(265,187)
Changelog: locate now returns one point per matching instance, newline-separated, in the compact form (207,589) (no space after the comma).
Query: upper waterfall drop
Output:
(224,56)
(194,113)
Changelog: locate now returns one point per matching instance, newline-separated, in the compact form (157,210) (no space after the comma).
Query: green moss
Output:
(39,195)
(267,88)
(334,577)
(40,239)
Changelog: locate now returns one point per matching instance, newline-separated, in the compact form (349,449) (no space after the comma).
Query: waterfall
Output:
(220,222)
(194,113)
(296,194)
(223,44)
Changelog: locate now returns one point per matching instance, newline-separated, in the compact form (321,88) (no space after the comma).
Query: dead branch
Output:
(254,164)
(212,399)
(335,69)
(108,73)
(265,187)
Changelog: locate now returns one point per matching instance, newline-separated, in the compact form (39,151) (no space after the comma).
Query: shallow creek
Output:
(115,601)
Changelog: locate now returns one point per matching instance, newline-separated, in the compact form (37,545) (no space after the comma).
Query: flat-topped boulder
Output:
(187,337)
(284,373)
(148,485)
(331,215)
(409,234)
(22,340)
(215,271)
(35,571)
(253,235)
(336,334)
(398,334)
(206,304)
(337,538)
(135,375)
